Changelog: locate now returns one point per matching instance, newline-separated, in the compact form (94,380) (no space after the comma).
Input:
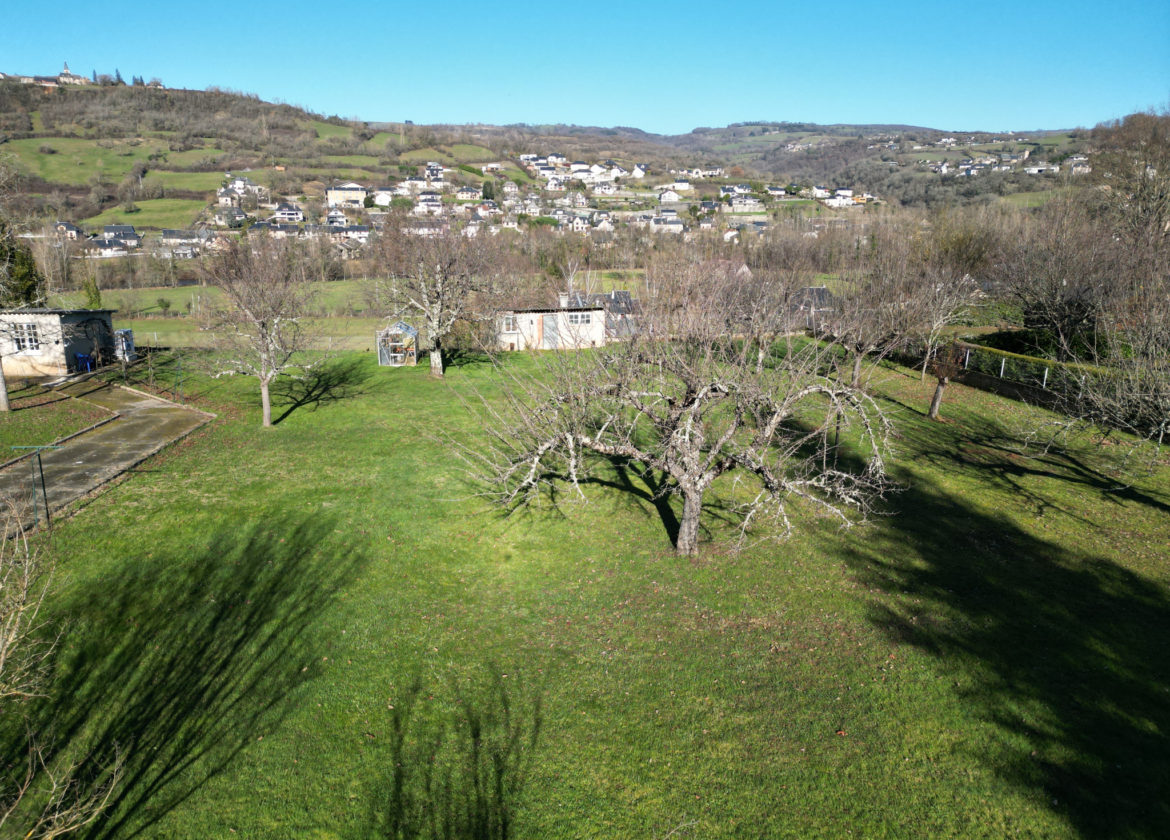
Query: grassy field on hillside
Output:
(334,297)
(161,213)
(76,161)
(326,130)
(247,615)
(207,181)
(423,155)
(468,153)
(191,157)
(352,160)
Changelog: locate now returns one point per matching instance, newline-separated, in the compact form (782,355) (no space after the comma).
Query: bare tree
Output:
(957,248)
(261,329)
(767,299)
(1055,265)
(54,257)
(442,276)
(1129,224)
(875,308)
(681,406)
(945,365)
(45,795)
(1091,271)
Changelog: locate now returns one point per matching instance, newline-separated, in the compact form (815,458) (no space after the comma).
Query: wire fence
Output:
(1025,377)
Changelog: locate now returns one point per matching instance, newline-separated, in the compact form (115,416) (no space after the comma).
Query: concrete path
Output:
(142,425)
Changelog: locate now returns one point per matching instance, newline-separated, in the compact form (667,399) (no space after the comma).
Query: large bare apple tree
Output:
(685,405)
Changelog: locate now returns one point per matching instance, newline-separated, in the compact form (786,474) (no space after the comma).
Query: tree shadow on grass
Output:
(1067,654)
(333,382)
(457,773)
(178,666)
(1009,461)
(457,358)
(645,485)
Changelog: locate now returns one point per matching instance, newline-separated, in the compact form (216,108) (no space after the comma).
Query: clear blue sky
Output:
(662,67)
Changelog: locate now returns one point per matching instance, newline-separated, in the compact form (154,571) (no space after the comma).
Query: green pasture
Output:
(326,130)
(331,333)
(468,153)
(248,615)
(76,161)
(159,213)
(423,155)
(352,160)
(327,174)
(191,157)
(207,181)
(378,141)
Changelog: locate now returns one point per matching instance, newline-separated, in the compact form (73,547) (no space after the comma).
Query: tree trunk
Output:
(3,388)
(436,359)
(858,357)
(688,529)
(936,400)
(265,402)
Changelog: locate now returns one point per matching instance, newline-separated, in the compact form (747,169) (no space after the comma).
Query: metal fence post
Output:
(36,466)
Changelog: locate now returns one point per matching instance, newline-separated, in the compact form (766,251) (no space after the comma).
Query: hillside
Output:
(87,151)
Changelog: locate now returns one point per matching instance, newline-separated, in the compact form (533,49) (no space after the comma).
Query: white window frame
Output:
(580,319)
(27,338)
(510,324)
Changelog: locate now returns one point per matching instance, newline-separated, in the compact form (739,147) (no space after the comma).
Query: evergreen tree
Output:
(118,80)
(22,281)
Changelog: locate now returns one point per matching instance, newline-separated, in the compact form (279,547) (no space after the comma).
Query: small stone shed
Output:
(54,342)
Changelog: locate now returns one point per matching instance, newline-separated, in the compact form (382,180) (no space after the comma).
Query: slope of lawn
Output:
(247,614)
(161,213)
(75,161)
(36,417)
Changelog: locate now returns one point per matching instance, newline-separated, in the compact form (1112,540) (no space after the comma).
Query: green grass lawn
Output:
(38,418)
(246,614)
(75,161)
(332,333)
(326,130)
(468,153)
(161,213)
(378,142)
(352,160)
(207,181)
(341,172)
(337,298)
(191,157)
(423,155)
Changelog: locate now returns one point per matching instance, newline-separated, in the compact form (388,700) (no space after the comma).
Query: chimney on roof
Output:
(563,300)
